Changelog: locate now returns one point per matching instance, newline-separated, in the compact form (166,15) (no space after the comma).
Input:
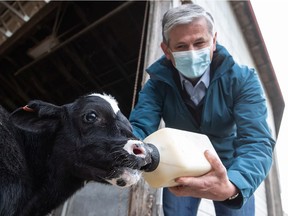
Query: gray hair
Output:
(185,14)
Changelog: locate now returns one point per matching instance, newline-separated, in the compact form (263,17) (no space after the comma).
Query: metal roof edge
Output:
(252,33)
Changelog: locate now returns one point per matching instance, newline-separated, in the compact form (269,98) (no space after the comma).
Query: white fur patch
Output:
(129,176)
(111,100)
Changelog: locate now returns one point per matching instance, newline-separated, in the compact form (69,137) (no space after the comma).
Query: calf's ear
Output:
(37,116)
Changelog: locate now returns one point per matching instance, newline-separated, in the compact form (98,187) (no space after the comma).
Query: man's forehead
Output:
(182,33)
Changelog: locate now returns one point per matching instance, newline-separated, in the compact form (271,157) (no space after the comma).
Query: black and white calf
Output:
(48,151)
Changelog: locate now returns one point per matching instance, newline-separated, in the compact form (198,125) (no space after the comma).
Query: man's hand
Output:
(214,185)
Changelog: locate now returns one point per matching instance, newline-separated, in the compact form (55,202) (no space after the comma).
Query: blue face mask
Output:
(192,63)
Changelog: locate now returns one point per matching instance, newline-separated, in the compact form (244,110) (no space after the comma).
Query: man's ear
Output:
(166,51)
(37,116)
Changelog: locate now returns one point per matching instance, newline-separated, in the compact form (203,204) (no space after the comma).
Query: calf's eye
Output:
(90,117)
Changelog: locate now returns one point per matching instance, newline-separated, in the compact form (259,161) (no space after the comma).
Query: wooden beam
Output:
(72,38)
(73,54)
(27,27)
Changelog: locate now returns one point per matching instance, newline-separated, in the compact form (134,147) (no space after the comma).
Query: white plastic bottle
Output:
(176,153)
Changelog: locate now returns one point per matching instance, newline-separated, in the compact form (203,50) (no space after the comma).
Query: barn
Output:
(58,50)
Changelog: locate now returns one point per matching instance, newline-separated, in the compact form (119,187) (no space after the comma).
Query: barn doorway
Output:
(58,51)
(62,50)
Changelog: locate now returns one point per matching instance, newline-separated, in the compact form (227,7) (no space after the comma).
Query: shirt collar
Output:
(205,79)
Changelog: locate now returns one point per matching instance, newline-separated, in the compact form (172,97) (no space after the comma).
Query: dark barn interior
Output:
(58,51)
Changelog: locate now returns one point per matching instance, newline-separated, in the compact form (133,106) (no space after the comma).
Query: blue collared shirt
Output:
(198,91)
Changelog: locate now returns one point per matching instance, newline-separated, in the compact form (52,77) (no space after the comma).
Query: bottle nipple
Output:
(155,156)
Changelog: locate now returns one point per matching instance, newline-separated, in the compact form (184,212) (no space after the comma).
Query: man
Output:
(197,86)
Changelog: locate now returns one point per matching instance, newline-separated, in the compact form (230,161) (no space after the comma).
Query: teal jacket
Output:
(234,117)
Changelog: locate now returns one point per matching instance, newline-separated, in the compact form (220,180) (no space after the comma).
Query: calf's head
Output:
(89,138)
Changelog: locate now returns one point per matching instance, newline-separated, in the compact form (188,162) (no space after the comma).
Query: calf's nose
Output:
(137,148)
